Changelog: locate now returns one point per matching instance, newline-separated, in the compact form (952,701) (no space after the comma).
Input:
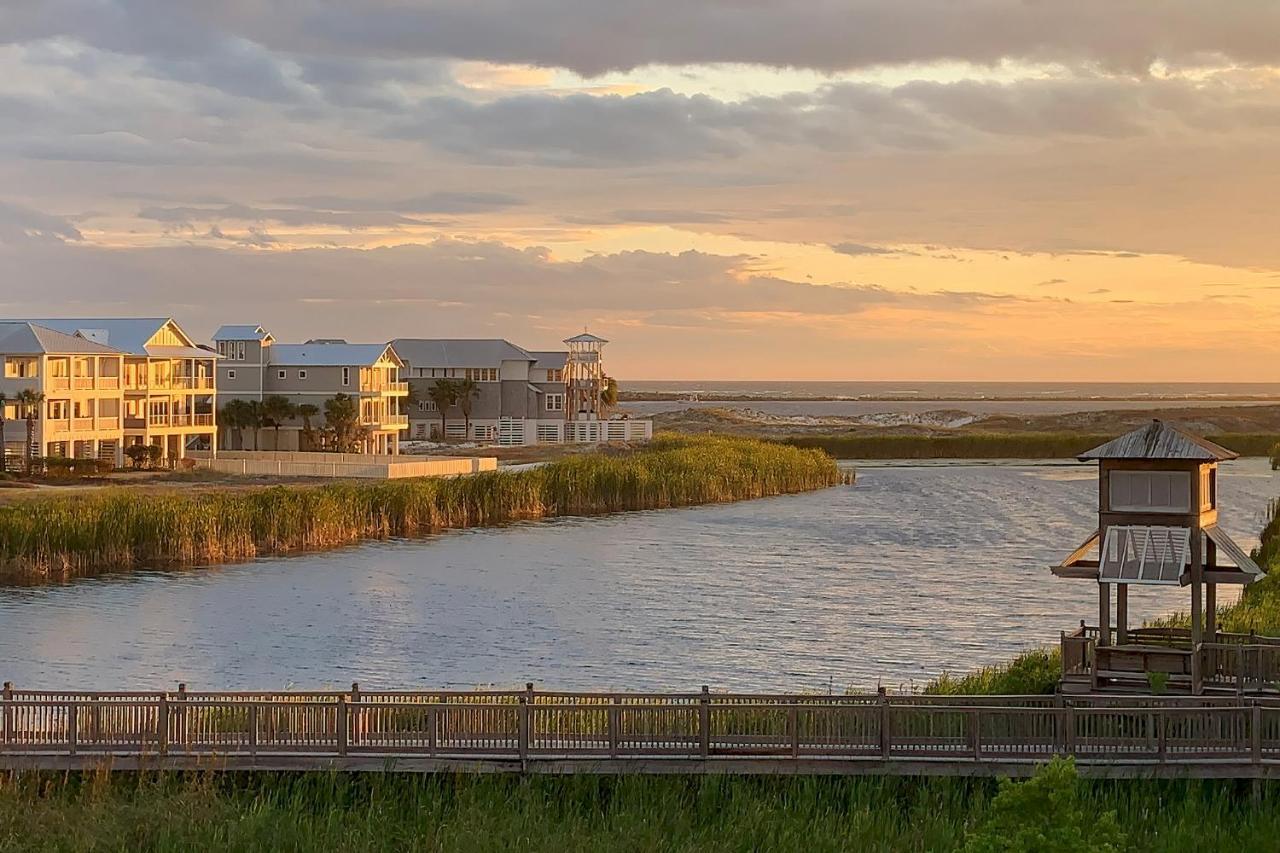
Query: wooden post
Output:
(73,727)
(523,743)
(615,712)
(1070,738)
(7,695)
(886,745)
(1161,737)
(1104,614)
(1197,594)
(162,725)
(253,729)
(975,734)
(340,723)
(1239,670)
(1122,613)
(793,721)
(704,722)
(1255,734)
(433,738)
(182,716)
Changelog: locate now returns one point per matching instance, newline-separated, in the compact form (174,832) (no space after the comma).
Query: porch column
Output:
(1104,614)
(1211,611)
(1122,613)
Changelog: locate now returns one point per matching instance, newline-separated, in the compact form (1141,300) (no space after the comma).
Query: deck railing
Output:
(959,734)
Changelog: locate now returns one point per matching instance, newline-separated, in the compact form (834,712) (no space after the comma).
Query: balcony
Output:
(135,423)
(82,424)
(109,383)
(203,420)
(395,389)
(82,383)
(111,422)
(57,426)
(59,383)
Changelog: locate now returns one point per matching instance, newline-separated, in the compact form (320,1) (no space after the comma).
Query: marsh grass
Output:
(121,529)
(581,813)
(987,445)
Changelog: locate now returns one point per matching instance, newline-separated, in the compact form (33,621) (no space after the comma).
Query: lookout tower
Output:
(1157,525)
(584,377)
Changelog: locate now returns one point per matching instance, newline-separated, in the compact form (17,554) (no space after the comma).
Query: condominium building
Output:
(109,383)
(253,366)
(520,396)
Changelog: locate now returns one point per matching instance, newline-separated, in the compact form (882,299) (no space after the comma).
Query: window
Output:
(481,374)
(1147,555)
(231,374)
(346,376)
(555,402)
(1151,491)
(281,374)
(239,350)
(58,410)
(302,374)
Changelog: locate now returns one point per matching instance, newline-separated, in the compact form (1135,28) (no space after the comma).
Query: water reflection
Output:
(914,571)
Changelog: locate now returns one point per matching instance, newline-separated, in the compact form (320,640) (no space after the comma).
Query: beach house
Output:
(254,367)
(104,384)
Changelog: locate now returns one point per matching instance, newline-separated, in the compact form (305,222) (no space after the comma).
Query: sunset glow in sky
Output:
(737,189)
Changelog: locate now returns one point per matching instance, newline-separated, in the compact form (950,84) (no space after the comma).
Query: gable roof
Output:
(458,352)
(1158,440)
(241,333)
(127,334)
(330,355)
(22,336)
(585,338)
(550,360)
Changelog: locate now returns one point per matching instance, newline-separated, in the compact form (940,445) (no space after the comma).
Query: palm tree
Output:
(342,415)
(444,394)
(307,411)
(235,416)
(4,451)
(467,390)
(30,400)
(254,419)
(275,411)
(609,396)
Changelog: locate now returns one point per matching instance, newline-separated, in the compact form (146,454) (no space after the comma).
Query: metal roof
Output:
(458,352)
(25,337)
(246,332)
(328,355)
(128,334)
(1158,440)
(585,338)
(1227,545)
(550,360)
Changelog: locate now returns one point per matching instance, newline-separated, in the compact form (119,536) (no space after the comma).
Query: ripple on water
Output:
(912,572)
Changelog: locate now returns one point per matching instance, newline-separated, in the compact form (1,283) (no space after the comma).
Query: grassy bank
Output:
(120,529)
(582,813)
(990,445)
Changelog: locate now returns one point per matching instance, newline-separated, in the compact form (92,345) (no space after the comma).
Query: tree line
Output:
(341,430)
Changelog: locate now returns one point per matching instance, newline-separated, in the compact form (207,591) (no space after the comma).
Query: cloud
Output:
(592,37)
(23,224)
(439,202)
(186,216)
(857,249)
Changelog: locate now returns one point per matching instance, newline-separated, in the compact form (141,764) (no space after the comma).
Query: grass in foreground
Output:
(120,529)
(988,445)
(583,813)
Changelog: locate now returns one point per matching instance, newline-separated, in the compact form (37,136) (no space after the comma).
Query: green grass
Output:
(980,445)
(582,813)
(121,529)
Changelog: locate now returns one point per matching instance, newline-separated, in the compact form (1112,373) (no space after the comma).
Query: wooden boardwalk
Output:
(549,732)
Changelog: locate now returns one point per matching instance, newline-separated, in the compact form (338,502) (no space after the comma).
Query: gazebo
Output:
(1157,525)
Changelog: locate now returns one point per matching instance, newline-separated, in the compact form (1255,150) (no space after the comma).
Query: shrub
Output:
(138,454)
(1046,814)
(187,464)
(154,454)
(1158,682)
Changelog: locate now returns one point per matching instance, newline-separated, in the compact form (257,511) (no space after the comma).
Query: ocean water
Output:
(943,391)
(909,573)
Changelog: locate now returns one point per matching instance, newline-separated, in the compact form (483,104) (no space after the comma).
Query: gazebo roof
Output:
(1158,440)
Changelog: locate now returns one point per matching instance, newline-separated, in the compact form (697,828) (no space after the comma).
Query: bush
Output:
(137,454)
(187,464)
(1046,814)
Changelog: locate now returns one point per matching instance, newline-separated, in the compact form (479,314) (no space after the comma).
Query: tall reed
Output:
(122,528)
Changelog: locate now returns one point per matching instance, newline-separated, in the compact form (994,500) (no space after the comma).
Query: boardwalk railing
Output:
(625,732)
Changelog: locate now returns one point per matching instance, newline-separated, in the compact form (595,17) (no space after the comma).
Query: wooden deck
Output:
(544,732)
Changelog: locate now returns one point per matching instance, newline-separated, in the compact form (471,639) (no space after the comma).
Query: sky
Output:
(732,189)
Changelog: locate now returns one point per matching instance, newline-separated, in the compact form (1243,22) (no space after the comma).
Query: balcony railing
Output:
(158,420)
(204,420)
(178,419)
(384,387)
(173,383)
(56,425)
(60,383)
(109,422)
(82,424)
(394,420)
(109,383)
(83,383)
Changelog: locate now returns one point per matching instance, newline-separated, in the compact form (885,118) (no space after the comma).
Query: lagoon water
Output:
(914,571)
